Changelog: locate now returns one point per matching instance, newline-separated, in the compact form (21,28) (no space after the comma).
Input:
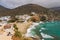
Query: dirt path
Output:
(22,27)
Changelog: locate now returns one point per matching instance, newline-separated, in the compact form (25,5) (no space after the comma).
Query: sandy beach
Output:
(22,27)
(5,37)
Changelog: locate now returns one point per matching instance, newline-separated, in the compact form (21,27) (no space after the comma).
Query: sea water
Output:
(48,30)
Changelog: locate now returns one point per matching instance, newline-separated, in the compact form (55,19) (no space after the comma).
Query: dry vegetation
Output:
(28,8)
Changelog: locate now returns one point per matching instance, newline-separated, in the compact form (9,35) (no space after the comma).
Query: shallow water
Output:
(48,28)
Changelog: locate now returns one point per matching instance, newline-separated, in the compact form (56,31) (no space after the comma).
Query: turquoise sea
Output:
(51,28)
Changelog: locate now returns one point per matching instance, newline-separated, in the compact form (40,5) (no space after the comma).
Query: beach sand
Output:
(22,27)
(5,37)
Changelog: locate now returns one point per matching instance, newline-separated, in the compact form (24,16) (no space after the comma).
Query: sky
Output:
(15,3)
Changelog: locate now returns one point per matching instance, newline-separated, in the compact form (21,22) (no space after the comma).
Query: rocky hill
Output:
(28,8)
(56,9)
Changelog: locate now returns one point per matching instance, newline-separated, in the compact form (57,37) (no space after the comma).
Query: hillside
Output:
(28,8)
(56,9)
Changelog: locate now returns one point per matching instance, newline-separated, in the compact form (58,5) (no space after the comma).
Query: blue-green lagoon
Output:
(48,30)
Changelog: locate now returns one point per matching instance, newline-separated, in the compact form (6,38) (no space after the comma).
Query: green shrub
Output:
(10,21)
(15,27)
(18,34)
(43,18)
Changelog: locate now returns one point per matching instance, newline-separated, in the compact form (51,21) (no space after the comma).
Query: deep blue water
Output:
(52,28)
